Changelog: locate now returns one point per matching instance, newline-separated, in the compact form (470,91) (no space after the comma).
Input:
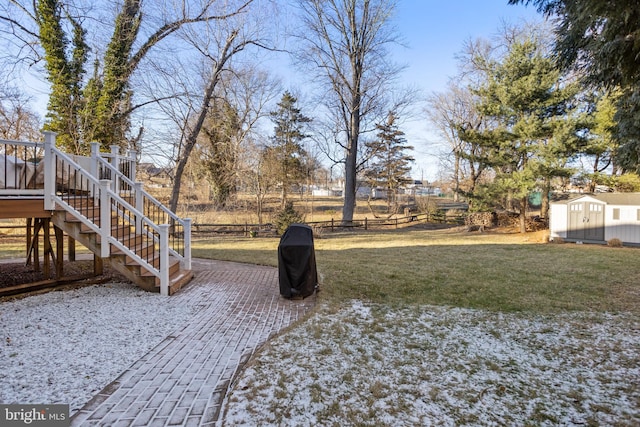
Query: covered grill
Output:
(297,262)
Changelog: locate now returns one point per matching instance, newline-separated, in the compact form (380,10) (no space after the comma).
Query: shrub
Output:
(614,243)
(286,217)
(427,205)
(318,232)
(558,240)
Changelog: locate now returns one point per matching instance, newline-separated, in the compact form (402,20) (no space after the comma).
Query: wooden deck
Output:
(141,238)
(38,236)
(22,207)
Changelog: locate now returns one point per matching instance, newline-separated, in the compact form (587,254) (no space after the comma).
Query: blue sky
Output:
(435,31)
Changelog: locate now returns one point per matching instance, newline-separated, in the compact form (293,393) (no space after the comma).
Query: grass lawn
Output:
(491,271)
(417,327)
(449,328)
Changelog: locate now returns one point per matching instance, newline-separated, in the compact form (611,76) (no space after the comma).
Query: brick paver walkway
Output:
(184,379)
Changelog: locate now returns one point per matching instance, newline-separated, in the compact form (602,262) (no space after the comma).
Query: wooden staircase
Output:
(97,202)
(118,259)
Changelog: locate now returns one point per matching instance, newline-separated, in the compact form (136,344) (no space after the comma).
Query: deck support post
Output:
(98,265)
(29,222)
(47,248)
(59,252)
(71,243)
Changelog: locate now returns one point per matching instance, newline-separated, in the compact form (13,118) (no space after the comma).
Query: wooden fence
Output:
(333,225)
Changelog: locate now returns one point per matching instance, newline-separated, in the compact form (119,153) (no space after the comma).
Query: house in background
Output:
(596,218)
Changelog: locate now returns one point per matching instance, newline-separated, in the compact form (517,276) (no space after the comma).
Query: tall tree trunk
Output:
(523,214)
(283,196)
(591,187)
(349,187)
(350,168)
(546,189)
(456,176)
(226,54)
(259,207)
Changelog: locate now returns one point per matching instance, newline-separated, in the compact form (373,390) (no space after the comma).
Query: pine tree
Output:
(601,40)
(601,144)
(286,151)
(533,131)
(391,165)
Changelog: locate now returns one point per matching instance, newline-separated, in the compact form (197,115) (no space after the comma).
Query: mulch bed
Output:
(18,273)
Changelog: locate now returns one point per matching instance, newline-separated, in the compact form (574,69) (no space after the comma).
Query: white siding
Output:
(558,220)
(626,228)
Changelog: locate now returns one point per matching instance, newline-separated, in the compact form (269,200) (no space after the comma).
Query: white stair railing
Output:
(81,187)
(179,238)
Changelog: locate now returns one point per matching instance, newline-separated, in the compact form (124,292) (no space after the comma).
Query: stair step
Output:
(174,265)
(178,281)
(151,257)
(136,246)
(127,235)
(125,240)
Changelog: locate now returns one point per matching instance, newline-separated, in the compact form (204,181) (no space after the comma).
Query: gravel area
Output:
(66,346)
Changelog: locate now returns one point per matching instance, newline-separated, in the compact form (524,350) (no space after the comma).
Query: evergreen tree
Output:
(533,130)
(391,165)
(601,144)
(601,39)
(64,62)
(218,146)
(286,151)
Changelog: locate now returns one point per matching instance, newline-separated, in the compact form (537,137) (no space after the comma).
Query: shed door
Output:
(576,221)
(594,229)
(586,221)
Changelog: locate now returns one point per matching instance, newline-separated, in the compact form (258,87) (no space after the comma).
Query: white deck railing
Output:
(18,168)
(76,185)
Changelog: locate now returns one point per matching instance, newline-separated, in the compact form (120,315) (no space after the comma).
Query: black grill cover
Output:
(297,262)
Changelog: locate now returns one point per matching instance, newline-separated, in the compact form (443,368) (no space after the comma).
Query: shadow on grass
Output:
(540,278)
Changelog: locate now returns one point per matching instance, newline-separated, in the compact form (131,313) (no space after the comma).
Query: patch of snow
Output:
(372,365)
(64,347)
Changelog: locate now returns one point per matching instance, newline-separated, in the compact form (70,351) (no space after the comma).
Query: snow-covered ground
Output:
(64,347)
(372,365)
(362,365)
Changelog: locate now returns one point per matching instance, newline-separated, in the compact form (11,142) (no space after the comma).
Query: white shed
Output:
(596,218)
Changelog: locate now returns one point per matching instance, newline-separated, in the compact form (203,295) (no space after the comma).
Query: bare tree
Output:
(17,120)
(231,46)
(239,104)
(447,111)
(256,177)
(218,47)
(59,33)
(344,42)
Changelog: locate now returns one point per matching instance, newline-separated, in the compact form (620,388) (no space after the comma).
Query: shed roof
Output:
(623,199)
